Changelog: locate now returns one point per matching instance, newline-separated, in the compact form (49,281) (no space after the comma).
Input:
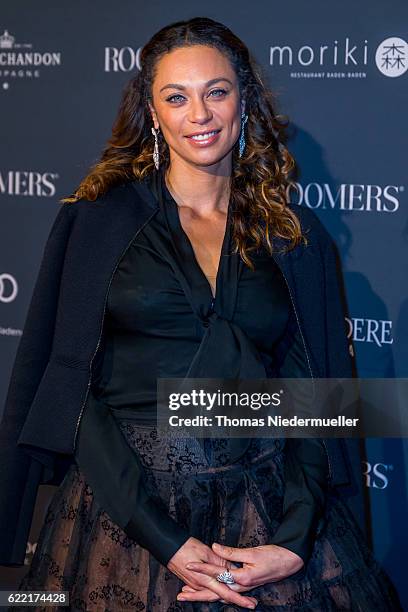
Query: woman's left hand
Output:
(261,564)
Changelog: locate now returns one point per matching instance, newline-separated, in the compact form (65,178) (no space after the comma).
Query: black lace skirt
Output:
(81,550)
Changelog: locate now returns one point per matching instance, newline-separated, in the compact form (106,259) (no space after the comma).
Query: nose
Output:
(199,112)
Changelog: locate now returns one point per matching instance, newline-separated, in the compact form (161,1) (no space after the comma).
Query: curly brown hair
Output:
(260,180)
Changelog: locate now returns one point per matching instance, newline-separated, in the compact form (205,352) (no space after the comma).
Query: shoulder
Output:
(114,195)
(127,194)
(312,226)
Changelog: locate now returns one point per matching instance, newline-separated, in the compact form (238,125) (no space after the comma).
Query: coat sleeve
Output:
(21,473)
(346,453)
(117,480)
(313,466)
(306,469)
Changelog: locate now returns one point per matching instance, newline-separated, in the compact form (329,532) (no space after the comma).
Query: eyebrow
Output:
(211,82)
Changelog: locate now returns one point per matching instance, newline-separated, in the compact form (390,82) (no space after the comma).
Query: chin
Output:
(207,160)
(206,163)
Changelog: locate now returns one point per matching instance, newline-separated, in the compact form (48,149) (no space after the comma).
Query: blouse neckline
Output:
(185,248)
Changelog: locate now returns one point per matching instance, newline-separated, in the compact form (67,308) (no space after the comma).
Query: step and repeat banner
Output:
(340,73)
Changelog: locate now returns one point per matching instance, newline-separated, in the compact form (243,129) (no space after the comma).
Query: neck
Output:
(203,189)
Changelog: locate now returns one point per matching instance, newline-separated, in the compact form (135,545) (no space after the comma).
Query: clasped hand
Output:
(198,566)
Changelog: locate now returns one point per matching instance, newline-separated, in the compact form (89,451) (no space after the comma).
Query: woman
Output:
(197,167)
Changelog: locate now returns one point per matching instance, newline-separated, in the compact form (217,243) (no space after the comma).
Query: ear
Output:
(154,116)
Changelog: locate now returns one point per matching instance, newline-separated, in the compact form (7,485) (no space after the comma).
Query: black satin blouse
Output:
(163,321)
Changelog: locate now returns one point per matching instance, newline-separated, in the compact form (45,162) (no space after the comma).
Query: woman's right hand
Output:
(195,550)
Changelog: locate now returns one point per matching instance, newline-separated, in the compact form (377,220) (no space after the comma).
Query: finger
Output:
(235,587)
(208,595)
(198,595)
(209,569)
(204,592)
(226,564)
(229,594)
(188,589)
(233,554)
(242,575)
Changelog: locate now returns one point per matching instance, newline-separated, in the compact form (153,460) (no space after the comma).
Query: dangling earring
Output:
(156,148)
(244,119)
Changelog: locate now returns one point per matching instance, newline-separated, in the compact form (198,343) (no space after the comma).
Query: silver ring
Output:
(226,577)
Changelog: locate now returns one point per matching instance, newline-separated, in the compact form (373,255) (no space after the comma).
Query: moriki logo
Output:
(392,57)
(341,59)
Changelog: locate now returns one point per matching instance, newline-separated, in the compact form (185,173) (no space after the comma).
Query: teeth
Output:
(204,136)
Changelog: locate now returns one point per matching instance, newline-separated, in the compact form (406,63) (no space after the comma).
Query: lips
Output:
(202,136)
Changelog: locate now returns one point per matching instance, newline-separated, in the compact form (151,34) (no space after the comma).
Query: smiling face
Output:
(196,104)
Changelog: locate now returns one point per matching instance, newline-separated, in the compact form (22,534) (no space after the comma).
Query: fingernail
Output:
(189,566)
(181,597)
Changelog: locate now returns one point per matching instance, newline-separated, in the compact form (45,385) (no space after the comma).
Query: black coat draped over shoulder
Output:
(53,367)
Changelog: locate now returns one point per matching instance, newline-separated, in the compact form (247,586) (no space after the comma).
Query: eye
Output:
(220,92)
(173,98)
(215,93)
